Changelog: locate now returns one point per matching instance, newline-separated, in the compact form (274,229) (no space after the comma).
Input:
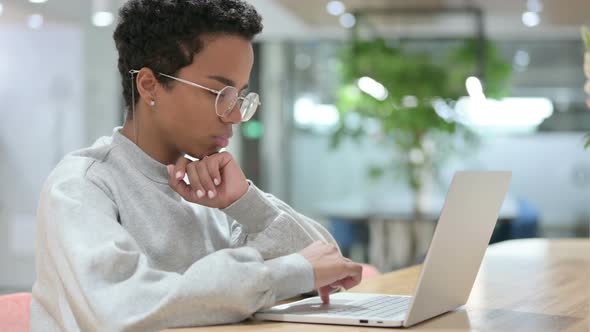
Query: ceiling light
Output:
(102,14)
(37,1)
(531,19)
(347,20)
(102,19)
(335,8)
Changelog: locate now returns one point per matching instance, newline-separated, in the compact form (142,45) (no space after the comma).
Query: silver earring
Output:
(152,103)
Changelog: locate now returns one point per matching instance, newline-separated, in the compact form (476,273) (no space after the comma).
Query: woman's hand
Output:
(331,270)
(215,181)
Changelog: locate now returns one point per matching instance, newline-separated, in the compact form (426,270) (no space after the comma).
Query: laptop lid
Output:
(459,243)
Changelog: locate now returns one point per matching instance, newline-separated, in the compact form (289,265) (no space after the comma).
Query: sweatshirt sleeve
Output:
(262,221)
(107,282)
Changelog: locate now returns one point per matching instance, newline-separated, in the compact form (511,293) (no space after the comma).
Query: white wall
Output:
(59,92)
(103,101)
(40,116)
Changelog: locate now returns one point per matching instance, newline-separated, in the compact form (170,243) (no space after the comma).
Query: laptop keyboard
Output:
(379,306)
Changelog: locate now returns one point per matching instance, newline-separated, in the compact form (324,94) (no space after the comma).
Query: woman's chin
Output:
(204,153)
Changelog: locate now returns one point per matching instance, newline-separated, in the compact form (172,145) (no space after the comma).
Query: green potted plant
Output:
(409,96)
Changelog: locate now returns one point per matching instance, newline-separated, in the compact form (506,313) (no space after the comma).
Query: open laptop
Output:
(459,243)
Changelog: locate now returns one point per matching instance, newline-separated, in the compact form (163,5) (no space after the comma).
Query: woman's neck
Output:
(149,140)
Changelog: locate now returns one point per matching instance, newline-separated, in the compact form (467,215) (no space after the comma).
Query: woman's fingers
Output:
(180,168)
(213,166)
(195,182)
(205,178)
(325,293)
(176,175)
(214,181)
(348,282)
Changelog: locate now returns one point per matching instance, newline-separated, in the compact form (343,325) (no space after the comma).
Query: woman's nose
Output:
(234,116)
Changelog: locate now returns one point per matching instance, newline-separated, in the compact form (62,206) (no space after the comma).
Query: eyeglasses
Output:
(226,99)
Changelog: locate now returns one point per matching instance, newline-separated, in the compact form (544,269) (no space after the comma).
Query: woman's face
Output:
(185,115)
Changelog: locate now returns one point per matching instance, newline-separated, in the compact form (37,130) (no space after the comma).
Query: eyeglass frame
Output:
(217,92)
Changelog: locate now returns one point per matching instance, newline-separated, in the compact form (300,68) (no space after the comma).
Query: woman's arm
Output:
(256,219)
(275,229)
(89,263)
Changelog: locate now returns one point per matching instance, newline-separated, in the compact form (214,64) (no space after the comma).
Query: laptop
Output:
(457,248)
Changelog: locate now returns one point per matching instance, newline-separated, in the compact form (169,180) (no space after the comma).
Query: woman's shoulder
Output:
(85,166)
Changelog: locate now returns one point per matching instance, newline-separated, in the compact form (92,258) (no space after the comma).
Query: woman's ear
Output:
(146,85)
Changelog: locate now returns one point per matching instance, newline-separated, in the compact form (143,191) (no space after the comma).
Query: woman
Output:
(124,243)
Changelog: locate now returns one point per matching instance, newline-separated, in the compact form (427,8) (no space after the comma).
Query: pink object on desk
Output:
(14,312)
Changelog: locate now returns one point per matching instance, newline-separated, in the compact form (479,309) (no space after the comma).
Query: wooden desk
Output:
(524,285)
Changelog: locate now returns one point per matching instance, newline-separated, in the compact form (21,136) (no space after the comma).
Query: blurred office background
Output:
(369,107)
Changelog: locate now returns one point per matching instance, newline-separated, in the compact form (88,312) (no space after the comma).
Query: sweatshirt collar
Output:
(151,168)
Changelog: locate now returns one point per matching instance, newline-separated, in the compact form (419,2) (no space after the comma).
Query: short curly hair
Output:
(165,35)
